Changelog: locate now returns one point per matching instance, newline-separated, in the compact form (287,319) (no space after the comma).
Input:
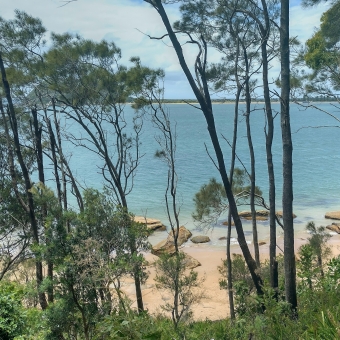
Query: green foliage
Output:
(318,240)
(211,200)
(247,303)
(12,314)
(322,50)
(326,327)
(130,326)
(310,266)
(90,257)
(183,286)
(332,279)
(306,265)
(242,284)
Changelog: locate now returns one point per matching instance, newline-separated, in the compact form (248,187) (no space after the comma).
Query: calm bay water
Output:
(316,160)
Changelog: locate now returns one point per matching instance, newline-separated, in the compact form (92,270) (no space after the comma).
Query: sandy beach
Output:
(215,304)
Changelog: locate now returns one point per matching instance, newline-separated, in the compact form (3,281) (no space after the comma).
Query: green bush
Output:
(12,313)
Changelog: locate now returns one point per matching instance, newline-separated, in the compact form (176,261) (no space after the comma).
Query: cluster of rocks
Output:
(333,215)
(261,215)
(167,246)
(334,227)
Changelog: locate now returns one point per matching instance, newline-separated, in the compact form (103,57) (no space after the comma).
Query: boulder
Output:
(151,223)
(183,235)
(334,227)
(167,246)
(261,215)
(264,213)
(262,243)
(244,214)
(333,215)
(222,238)
(200,239)
(280,214)
(190,262)
(163,247)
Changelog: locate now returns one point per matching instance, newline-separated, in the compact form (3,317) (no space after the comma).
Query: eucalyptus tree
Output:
(199,84)
(171,269)
(236,38)
(22,44)
(264,16)
(21,40)
(14,222)
(236,43)
(91,89)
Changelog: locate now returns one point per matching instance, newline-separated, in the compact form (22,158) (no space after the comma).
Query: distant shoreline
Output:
(193,102)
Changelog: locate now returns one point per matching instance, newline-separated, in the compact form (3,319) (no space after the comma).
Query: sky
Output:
(126,23)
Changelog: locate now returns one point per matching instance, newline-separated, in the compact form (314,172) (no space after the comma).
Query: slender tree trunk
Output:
(138,287)
(53,145)
(40,163)
(252,164)
(61,157)
(136,269)
(287,196)
(269,142)
(272,205)
(228,252)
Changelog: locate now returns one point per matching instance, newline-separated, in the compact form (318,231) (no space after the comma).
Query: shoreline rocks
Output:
(200,239)
(280,214)
(262,215)
(334,227)
(333,215)
(167,246)
(151,223)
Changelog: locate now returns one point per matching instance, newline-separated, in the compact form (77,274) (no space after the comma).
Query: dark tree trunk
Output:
(287,196)
(53,146)
(252,162)
(228,252)
(40,163)
(205,104)
(269,141)
(62,162)
(38,148)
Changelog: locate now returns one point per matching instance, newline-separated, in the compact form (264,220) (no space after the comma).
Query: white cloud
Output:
(304,21)
(122,21)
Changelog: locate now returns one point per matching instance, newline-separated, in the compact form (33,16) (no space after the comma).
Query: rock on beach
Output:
(280,214)
(333,215)
(151,223)
(334,227)
(167,246)
(261,215)
(200,239)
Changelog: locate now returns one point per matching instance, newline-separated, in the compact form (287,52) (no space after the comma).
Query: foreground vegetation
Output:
(257,317)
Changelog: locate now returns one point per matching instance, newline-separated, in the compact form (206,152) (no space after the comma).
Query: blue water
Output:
(316,160)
